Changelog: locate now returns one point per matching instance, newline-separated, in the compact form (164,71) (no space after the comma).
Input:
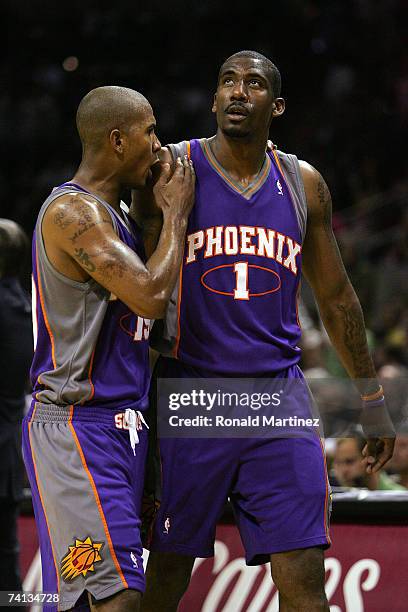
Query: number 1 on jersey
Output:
(241,286)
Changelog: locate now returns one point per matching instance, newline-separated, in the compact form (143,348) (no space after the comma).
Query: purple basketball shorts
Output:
(278,488)
(86,477)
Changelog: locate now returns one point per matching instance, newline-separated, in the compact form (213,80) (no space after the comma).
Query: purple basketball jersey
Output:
(237,303)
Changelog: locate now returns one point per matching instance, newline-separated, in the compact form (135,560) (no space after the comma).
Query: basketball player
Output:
(253,210)
(95,293)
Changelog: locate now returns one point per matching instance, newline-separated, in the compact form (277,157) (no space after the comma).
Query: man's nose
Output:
(156,145)
(239,91)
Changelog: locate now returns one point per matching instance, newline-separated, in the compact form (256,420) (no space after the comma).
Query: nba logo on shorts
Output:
(166,525)
(279,186)
(134,560)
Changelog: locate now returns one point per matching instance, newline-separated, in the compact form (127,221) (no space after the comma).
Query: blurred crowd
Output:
(347,468)
(345,80)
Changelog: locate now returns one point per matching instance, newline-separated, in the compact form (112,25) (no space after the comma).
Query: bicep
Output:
(89,239)
(322,263)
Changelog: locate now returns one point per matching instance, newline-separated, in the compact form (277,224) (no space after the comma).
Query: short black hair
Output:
(14,248)
(106,108)
(270,68)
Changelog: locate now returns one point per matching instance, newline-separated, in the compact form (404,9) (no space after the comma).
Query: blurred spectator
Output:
(313,362)
(16,348)
(349,469)
(399,462)
(394,380)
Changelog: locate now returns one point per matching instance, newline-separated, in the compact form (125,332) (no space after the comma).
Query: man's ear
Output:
(214,106)
(116,140)
(279,107)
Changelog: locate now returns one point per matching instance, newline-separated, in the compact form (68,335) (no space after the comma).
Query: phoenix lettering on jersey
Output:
(244,240)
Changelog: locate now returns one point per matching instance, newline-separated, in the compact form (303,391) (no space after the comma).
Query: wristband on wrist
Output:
(374,399)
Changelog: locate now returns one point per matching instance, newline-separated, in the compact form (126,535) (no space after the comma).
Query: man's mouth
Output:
(237,112)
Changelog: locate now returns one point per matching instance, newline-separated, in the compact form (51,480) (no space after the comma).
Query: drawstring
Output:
(133,419)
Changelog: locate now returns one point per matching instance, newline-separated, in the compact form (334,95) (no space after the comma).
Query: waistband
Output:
(169,367)
(132,420)
(51,413)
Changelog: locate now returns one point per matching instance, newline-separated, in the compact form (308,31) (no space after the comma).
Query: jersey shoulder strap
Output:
(289,165)
(180,149)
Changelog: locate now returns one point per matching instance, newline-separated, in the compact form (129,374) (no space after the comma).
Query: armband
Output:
(374,399)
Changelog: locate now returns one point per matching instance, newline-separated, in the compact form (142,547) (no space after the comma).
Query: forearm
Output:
(164,264)
(149,217)
(151,229)
(343,319)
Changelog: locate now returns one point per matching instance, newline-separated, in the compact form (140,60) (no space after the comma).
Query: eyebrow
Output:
(253,73)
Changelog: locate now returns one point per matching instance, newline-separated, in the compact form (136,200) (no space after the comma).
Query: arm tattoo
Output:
(85,222)
(324,197)
(83,219)
(85,259)
(110,269)
(355,340)
(84,227)
(61,221)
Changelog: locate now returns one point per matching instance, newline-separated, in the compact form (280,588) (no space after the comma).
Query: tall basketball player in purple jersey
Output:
(259,219)
(95,291)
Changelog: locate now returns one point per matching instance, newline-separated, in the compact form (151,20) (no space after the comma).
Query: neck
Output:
(100,180)
(241,158)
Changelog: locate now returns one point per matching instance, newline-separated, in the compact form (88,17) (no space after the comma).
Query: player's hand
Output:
(379,432)
(270,146)
(377,452)
(175,195)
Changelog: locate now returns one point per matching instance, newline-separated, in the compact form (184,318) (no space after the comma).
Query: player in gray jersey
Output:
(95,291)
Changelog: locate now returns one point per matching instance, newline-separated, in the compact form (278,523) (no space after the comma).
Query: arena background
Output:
(345,80)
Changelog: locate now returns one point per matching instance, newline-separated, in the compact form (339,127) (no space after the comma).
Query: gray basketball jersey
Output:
(87,349)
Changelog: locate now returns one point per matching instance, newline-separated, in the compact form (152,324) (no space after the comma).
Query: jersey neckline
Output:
(245,192)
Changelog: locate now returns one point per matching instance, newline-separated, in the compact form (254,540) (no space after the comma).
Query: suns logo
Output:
(81,558)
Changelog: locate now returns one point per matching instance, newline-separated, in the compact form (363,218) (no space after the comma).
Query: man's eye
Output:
(228,81)
(254,82)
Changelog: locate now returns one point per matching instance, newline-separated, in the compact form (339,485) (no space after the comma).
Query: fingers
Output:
(190,161)
(377,452)
(179,170)
(164,173)
(184,167)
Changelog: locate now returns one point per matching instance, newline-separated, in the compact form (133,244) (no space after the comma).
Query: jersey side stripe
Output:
(41,497)
(176,348)
(326,527)
(47,324)
(98,501)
